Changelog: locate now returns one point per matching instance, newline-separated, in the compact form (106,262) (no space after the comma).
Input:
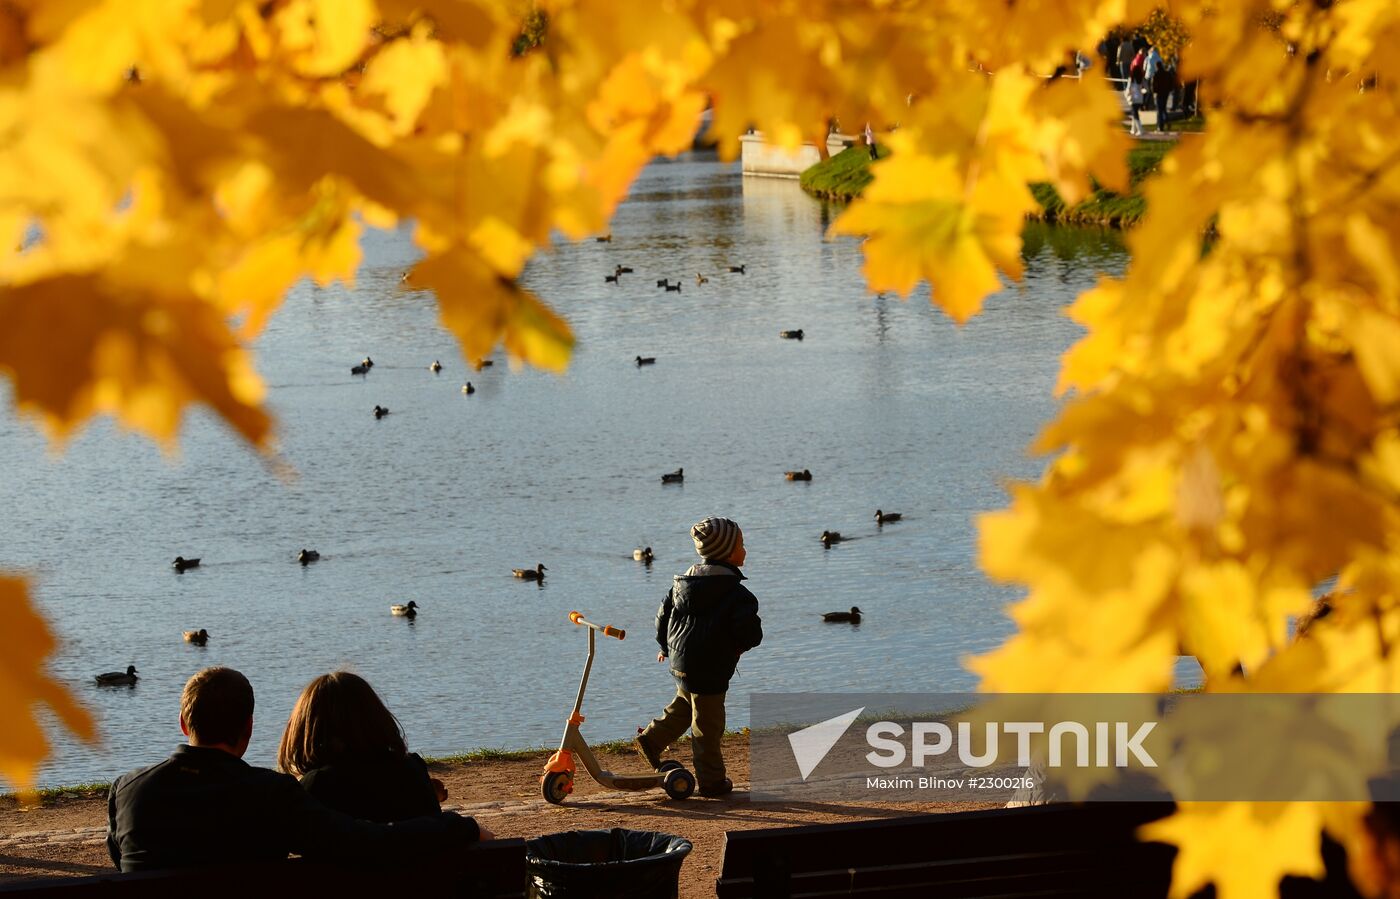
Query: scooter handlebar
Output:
(607,629)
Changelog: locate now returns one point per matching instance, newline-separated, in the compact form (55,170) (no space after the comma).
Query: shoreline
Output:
(10,799)
(843,178)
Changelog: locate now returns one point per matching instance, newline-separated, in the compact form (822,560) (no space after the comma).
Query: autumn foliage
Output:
(168,168)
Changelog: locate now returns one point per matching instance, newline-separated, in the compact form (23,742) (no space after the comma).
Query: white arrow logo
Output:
(811,744)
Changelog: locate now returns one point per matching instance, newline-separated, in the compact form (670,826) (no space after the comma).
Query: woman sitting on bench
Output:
(349,751)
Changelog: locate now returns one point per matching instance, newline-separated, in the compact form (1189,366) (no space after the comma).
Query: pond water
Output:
(888,403)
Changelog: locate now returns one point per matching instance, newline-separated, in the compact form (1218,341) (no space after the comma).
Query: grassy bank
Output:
(845,175)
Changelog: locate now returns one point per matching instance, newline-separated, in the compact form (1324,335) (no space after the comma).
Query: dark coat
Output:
(706,621)
(384,789)
(203,806)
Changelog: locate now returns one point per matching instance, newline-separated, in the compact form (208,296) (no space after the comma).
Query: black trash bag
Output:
(606,864)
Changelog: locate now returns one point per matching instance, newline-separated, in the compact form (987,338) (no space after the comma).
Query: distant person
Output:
(1151,63)
(1108,52)
(870,142)
(204,805)
(1126,50)
(349,751)
(706,622)
(1139,63)
(1136,98)
(1163,84)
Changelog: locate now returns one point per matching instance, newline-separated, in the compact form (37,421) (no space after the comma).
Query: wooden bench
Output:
(492,870)
(1052,850)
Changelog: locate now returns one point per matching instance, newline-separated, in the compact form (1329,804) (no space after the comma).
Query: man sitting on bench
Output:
(204,805)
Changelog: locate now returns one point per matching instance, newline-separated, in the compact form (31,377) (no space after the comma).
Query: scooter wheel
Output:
(678,783)
(668,765)
(556,786)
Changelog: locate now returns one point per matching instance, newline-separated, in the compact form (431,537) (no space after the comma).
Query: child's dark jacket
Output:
(706,621)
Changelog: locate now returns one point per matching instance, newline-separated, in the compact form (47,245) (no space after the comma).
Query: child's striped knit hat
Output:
(715,538)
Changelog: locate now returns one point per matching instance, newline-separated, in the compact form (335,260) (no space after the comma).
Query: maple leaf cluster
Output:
(169,168)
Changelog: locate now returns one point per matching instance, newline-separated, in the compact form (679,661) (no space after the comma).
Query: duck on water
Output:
(118,678)
(530,574)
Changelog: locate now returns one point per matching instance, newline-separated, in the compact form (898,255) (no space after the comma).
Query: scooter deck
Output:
(629,781)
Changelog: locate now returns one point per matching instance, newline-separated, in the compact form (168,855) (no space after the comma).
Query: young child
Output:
(706,622)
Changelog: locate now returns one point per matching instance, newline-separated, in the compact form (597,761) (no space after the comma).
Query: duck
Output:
(485,363)
(435,367)
(198,638)
(380,412)
(307,556)
(405,611)
(645,360)
(674,288)
(882,517)
(830,537)
(183,564)
(643,555)
(737,269)
(603,238)
(530,574)
(664,282)
(803,475)
(367,362)
(624,270)
(853,616)
(701,279)
(118,678)
(610,279)
(468,389)
(791,335)
(359,370)
(674,477)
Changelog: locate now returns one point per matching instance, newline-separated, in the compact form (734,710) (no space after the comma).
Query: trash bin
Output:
(606,864)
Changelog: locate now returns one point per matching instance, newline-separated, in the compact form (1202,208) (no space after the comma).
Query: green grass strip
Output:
(844,176)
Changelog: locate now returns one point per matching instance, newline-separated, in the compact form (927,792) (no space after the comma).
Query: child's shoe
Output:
(716,790)
(649,755)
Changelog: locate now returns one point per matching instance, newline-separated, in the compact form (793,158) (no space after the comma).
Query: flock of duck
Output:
(364,365)
(827,538)
(665,283)
(409,610)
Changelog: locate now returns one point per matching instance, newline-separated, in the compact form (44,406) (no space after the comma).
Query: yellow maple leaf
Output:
(1077,137)
(921,227)
(24,686)
(482,308)
(323,37)
(77,345)
(1244,848)
(403,75)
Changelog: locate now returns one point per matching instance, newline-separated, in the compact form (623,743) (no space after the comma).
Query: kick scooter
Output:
(557,781)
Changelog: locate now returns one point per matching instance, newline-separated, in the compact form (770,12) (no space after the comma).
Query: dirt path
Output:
(64,837)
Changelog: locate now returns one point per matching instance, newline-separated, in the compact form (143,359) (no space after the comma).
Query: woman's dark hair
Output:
(336,718)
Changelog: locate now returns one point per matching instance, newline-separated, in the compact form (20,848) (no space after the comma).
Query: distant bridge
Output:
(760,158)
